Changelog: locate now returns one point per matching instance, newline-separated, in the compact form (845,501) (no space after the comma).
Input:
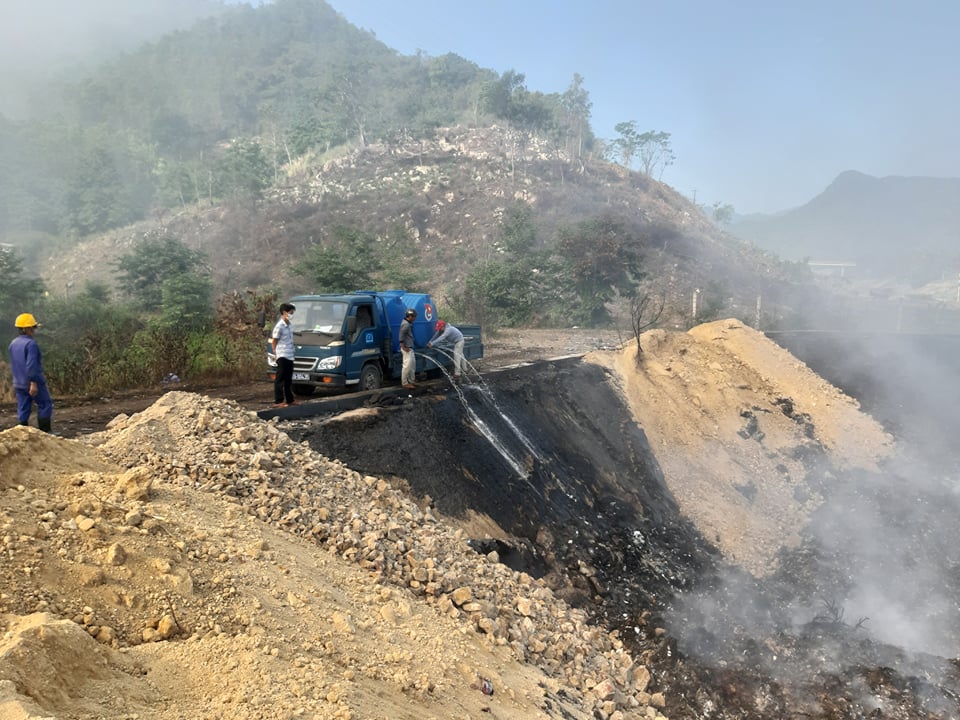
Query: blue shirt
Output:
(450,335)
(284,335)
(25,362)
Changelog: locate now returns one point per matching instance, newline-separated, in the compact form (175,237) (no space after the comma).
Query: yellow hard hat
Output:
(26,320)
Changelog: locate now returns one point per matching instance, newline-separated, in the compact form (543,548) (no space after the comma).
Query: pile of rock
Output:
(217,446)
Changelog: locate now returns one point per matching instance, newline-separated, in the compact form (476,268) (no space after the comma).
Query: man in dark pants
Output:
(28,381)
(408,370)
(281,341)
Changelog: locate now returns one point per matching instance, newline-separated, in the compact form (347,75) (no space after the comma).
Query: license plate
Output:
(301,376)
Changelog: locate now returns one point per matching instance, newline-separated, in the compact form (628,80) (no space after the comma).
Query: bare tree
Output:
(645,312)
(655,152)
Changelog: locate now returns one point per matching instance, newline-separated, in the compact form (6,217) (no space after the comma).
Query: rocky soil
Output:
(206,561)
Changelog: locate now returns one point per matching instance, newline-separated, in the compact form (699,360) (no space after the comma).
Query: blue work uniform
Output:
(27,366)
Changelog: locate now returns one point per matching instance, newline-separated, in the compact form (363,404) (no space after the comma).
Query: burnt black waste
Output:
(573,482)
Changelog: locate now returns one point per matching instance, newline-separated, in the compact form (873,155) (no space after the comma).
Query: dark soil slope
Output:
(550,458)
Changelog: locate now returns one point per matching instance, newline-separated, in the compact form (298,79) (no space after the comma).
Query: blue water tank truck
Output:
(351,341)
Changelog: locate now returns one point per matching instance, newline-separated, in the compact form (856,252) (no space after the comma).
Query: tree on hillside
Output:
(497,294)
(627,144)
(307,131)
(450,88)
(645,312)
(163,275)
(501,97)
(526,113)
(722,213)
(517,230)
(533,115)
(601,258)
(18,293)
(498,95)
(176,184)
(87,336)
(576,105)
(244,170)
(171,283)
(500,290)
(353,96)
(349,262)
(185,300)
(651,148)
(399,261)
(655,152)
(107,180)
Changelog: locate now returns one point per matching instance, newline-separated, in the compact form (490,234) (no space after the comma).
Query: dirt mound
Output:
(738,426)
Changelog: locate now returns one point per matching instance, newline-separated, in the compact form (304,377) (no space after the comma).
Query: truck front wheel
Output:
(370,377)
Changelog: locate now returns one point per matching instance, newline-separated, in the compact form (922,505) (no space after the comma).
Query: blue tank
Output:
(397,303)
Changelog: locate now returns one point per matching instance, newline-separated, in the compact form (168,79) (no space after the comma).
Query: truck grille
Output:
(304,364)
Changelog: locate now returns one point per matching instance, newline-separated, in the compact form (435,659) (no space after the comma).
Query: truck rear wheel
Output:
(370,377)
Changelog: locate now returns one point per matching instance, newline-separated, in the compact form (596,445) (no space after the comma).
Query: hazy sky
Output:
(767,102)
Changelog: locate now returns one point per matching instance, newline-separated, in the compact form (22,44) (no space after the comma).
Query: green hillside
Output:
(215,112)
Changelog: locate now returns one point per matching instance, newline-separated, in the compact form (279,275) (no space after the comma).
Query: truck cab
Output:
(351,341)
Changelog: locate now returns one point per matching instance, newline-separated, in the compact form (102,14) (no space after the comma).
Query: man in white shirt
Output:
(281,341)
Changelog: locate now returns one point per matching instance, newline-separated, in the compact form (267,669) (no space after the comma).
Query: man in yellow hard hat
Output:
(28,381)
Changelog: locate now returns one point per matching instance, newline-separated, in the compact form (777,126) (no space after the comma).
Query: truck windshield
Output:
(319,316)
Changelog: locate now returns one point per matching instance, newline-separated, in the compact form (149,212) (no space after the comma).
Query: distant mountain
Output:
(900,226)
